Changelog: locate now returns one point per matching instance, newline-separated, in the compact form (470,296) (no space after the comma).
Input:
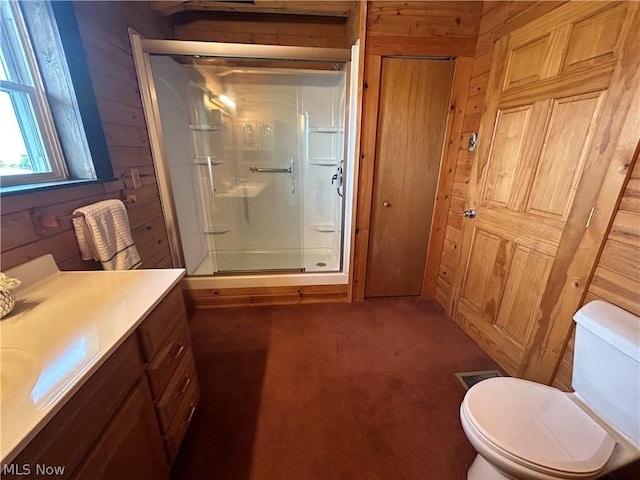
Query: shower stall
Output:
(252,149)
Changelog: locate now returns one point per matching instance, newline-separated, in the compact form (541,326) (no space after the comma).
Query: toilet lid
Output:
(537,426)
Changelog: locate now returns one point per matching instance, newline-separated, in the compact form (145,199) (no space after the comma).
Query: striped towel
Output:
(103,234)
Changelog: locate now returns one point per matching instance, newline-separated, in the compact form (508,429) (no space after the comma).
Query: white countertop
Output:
(62,329)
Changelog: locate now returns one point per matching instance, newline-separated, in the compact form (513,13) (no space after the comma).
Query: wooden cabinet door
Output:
(131,445)
(548,88)
(414,100)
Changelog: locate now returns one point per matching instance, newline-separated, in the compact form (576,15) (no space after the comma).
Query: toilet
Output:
(525,430)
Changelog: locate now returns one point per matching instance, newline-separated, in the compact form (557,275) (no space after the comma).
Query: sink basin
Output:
(19,370)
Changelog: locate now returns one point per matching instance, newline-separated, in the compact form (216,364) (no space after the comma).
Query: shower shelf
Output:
(217,230)
(326,129)
(323,227)
(203,161)
(324,162)
(204,127)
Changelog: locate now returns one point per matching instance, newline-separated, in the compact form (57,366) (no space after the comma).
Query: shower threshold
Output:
(220,273)
(265,262)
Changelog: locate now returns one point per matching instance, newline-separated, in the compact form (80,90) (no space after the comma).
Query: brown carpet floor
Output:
(330,392)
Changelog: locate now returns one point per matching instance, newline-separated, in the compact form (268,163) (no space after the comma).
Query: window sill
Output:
(40,187)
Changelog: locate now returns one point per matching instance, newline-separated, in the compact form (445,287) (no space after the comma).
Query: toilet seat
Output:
(537,427)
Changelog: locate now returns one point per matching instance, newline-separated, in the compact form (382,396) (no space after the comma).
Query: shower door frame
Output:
(143,47)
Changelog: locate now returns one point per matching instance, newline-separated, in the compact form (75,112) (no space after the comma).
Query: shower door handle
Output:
(211,179)
(292,171)
(255,169)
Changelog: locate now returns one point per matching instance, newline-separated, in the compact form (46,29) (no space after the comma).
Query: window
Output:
(29,151)
(50,128)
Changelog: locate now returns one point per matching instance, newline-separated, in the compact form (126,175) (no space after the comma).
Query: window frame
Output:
(36,95)
(86,163)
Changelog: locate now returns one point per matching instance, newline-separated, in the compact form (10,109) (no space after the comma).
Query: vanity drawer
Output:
(181,422)
(161,321)
(181,385)
(70,434)
(166,362)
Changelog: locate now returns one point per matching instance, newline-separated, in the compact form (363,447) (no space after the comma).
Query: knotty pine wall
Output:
(617,275)
(498,19)
(230,29)
(356,24)
(395,25)
(104,31)
(406,28)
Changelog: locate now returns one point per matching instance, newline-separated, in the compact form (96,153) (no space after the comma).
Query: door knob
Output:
(386,204)
(470,213)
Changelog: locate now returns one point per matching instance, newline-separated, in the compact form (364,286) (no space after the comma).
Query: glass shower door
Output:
(233,139)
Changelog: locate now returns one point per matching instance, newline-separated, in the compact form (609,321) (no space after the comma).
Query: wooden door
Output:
(547,88)
(414,97)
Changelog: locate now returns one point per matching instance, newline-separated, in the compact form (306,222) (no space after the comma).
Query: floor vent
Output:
(469,379)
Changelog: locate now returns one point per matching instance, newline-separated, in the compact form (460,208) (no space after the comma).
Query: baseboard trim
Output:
(284,295)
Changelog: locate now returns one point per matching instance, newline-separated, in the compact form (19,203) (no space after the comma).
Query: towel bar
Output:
(42,223)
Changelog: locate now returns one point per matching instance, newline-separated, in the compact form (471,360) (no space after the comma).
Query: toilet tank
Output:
(606,364)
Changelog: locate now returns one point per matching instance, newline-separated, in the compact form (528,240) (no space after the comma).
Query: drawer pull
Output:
(191,412)
(187,382)
(178,353)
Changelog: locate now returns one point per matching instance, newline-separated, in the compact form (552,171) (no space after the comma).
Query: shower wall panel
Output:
(323,103)
(304,115)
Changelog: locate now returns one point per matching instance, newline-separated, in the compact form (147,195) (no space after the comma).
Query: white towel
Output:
(103,234)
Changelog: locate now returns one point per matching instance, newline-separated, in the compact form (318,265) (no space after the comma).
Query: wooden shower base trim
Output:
(235,297)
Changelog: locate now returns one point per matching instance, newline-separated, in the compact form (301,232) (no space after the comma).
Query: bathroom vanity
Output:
(98,376)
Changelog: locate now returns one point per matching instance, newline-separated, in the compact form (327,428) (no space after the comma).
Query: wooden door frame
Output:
(366,170)
(361,10)
(453,132)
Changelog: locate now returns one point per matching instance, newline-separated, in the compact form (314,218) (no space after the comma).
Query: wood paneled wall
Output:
(356,24)
(617,276)
(268,31)
(104,31)
(498,19)
(420,29)
(238,297)
(410,28)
